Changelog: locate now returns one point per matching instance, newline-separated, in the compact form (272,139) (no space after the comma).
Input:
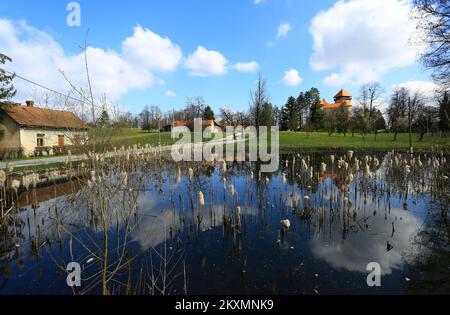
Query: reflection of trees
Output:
(10,230)
(430,272)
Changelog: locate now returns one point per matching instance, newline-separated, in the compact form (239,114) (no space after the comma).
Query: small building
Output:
(342,99)
(190,124)
(39,130)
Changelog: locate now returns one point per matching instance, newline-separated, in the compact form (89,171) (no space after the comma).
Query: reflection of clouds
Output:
(363,247)
(154,224)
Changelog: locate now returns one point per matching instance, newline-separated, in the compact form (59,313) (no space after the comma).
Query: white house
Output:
(33,129)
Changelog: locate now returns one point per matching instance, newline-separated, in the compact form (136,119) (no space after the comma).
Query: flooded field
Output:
(142,225)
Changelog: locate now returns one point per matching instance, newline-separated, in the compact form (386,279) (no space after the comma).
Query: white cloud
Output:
(259,1)
(359,43)
(171,93)
(292,78)
(283,30)
(39,57)
(205,62)
(251,66)
(424,88)
(152,51)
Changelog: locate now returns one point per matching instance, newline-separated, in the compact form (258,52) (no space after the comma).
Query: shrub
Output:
(11,153)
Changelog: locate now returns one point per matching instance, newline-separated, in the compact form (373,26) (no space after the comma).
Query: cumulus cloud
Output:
(259,1)
(205,63)
(251,66)
(283,30)
(151,50)
(39,57)
(171,93)
(426,89)
(292,78)
(359,43)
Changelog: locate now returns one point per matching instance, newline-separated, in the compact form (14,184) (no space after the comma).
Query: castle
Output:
(342,99)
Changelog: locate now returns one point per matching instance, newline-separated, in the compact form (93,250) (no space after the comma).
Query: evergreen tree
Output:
(316,115)
(208,113)
(284,119)
(292,115)
(444,113)
(7,90)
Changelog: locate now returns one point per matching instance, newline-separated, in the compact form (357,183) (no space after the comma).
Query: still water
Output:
(140,227)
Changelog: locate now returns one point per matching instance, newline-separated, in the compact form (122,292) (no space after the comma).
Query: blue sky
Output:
(295,44)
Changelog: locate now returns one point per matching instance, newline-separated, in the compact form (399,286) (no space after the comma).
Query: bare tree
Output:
(433,17)
(370,95)
(258,99)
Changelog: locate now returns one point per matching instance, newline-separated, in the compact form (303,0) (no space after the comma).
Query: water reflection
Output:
(134,219)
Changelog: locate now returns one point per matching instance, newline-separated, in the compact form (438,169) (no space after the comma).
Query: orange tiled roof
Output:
(335,105)
(43,117)
(343,93)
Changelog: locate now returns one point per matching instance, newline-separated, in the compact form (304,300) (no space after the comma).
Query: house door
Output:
(61,141)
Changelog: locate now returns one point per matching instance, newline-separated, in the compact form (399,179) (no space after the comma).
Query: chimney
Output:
(30,103)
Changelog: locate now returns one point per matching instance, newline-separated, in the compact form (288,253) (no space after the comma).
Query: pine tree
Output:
(208,113)
(284,119)
(7,90)
(316,115)
(444,113)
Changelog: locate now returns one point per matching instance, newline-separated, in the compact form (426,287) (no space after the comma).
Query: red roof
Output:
(343,93)
(43,117)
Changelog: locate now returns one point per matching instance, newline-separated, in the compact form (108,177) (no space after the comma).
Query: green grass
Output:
(384,141)
(129,137)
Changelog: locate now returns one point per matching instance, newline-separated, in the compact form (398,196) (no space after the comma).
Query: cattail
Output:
(224,166)
(190,173)
(10,166)
(2,178)
(367,171)
(124,178)
(15,184)
(231,187)
(323,167)
(332,159)
(201,198)
(283,178)
(238,210)
(349,155)
(286,223)
(407,169)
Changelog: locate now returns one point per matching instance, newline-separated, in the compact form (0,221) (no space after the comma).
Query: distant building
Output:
(342,99)
(33,129)
(215,126)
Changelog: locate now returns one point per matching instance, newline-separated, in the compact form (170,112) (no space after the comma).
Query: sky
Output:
(162,52)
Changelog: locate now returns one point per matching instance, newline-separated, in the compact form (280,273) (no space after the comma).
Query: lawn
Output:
(129,137)
(384,141)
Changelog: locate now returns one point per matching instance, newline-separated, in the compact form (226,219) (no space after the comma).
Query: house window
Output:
(40,139)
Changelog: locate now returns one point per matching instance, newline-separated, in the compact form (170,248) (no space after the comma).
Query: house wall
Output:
(11,137)
(29,138)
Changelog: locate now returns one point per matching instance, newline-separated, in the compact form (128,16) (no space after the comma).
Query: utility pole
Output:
(158,118)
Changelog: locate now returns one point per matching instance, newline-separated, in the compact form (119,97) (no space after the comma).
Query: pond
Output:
(146,225)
